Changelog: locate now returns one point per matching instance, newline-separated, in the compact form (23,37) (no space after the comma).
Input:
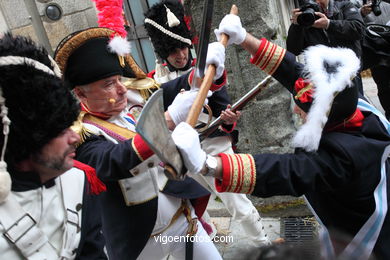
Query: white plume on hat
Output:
(120,46)
(326,86)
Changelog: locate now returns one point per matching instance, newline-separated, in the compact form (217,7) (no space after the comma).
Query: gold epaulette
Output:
(145,86)
(80,129)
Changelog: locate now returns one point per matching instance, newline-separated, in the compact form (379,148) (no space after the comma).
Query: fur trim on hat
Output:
(330,70)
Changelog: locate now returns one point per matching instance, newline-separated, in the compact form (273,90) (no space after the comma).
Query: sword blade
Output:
(204,38)
(154,131)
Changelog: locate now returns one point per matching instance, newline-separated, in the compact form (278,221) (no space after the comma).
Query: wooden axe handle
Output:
(197,106)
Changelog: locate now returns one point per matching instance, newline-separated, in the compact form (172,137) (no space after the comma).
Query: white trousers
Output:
(173,240)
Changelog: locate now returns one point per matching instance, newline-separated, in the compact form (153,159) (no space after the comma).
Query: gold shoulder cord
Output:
(79,128)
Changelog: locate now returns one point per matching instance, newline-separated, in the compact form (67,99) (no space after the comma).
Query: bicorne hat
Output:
(96,53)
(93,54)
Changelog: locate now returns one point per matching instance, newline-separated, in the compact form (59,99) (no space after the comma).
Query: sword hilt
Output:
(197,106)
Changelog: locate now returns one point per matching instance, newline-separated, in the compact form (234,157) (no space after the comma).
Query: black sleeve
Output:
(296,174)
(351,27)
(173,87)
(295,42)
(111,161)
(92,240)
(219,101)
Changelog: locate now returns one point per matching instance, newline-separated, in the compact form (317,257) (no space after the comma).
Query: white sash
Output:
(364,241)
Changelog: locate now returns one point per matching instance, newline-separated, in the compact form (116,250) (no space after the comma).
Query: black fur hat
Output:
(166,35)
(40,107)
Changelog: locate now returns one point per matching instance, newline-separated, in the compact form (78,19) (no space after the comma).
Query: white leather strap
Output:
(23,232)
(72,185)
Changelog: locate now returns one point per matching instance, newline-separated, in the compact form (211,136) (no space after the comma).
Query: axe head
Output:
(153,129)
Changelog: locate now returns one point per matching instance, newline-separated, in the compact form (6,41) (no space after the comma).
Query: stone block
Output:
(15,13)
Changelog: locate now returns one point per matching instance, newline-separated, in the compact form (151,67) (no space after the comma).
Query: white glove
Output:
(231,25)
(181,105)
(216,56)
(187,140)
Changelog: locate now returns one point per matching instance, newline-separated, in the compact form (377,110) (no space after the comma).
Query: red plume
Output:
(111,15)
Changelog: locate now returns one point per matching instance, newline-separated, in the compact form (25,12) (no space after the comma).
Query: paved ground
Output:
(240,247)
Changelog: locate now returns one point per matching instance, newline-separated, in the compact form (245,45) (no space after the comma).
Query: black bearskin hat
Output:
(87,56)
(40,107)
(165,35)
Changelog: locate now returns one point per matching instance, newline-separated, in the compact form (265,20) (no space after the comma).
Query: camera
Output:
(375,6)
(307,17)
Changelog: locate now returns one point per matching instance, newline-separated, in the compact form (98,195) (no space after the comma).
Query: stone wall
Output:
(267,123)
(77,15)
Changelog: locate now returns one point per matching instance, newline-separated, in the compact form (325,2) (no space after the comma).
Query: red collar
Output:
(97,114)
(354,122)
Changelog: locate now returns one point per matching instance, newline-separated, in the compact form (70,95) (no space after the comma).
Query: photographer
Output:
(378,13)
(375,11)
(335,24)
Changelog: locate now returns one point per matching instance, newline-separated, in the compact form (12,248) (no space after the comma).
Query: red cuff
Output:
(268,57)
(215,86)
(230,128)
(238,173)
(191,77)
(141,148)
(219,83)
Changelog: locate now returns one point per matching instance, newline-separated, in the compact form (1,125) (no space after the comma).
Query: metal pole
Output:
(38,25)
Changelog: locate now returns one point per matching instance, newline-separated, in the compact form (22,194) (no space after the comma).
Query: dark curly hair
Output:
(40,106)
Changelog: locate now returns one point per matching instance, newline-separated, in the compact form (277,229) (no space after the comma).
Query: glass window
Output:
(149,55)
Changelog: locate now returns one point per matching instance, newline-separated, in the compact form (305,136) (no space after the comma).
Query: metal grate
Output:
(301,232)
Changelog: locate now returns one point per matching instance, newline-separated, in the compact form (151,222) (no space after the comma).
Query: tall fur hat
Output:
(36,101)
(167,28)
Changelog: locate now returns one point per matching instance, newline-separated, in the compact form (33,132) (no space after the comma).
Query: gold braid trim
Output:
(134,67)
(71,43)
(242,173)
(303,90)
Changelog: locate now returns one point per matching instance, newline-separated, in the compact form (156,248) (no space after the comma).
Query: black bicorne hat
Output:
(167,28)
(87,56)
